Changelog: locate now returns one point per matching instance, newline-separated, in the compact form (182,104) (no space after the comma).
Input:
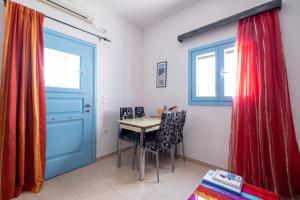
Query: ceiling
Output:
(146,12)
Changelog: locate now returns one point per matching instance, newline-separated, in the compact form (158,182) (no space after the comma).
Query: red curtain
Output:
(263,146)
(22,103)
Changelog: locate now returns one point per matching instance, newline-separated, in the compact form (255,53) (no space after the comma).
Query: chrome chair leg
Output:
(138,156)
(118,149)
(149,156)
(134,155)
(176,152)
(152,157)
(172,157)
(183,155)
(157,166)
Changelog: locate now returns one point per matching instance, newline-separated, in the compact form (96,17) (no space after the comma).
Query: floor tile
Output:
(27,196)
(56,188)
(103,180)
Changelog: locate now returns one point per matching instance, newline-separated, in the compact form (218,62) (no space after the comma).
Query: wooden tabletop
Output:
(144,122)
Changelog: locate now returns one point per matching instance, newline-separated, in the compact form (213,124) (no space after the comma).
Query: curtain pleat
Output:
(263,146)
(22,103)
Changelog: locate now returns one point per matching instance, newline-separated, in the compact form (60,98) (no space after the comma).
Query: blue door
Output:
(69,78)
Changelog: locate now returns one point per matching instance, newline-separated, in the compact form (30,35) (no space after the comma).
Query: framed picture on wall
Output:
(161,74)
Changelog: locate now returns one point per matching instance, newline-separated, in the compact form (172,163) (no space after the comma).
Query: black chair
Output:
(139,112)
(131,136)
(165,139)
(178,129)
(128,135)
(126,113)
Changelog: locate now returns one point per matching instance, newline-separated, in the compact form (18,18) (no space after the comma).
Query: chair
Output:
(131,136)
(178,129)
(139,112)
(165,139)
(127,135)
(126,113)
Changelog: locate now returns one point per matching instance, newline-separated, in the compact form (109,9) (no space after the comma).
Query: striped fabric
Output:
(22,103)
(263,145)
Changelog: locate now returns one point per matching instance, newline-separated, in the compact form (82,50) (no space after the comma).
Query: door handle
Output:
(87,106)
(88,110)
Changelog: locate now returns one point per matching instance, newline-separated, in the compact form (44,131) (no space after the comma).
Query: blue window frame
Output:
(212,73)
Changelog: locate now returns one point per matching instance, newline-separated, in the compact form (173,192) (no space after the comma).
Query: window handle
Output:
(87,106)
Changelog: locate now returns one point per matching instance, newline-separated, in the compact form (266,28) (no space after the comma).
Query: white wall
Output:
(207,128)
(118,63)
(126,69)
(290,28)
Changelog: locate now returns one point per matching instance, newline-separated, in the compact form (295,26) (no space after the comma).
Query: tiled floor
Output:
(103,180)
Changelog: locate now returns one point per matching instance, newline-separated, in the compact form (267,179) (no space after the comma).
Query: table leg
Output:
(118,147)
(142,155)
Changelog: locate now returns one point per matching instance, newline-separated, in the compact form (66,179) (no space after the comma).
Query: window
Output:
(212,73)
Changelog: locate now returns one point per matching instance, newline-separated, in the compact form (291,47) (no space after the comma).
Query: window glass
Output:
(62,70)
(206,75)
(230,66)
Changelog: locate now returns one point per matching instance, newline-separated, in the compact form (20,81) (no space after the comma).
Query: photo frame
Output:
(161,74)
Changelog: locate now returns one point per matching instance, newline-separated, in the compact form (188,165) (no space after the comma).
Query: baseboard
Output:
(112,154)
(211,166)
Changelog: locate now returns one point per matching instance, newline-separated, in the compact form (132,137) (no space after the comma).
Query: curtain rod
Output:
(72,26)
(98,36)
(65,8)
(234,18)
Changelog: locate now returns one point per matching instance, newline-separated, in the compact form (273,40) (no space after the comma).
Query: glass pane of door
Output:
(62,70)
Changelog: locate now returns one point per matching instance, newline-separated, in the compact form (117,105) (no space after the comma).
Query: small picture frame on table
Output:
(161,74)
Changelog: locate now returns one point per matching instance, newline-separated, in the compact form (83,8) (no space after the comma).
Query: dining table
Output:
(140,126)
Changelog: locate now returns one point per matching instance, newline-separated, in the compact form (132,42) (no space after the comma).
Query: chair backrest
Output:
(165,134)
(179,124)
(139,112)
(126,113)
